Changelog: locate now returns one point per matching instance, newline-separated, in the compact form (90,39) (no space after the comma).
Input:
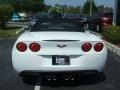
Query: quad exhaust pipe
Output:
(48,78)
(54,78)
(69,77)
(51,77)
(66,78)
(72,78)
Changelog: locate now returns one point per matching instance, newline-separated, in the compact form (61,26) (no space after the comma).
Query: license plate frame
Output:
(60,60)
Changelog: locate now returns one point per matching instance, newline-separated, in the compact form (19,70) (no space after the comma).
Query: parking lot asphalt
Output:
(9,79)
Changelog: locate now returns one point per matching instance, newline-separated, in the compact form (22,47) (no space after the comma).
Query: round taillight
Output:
(98,47)
(86,47)
(35,47)
(21,47)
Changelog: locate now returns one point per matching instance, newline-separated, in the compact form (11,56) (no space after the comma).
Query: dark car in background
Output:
(39,15)
(77,17)
(100,20)
(35,17)
(73,16)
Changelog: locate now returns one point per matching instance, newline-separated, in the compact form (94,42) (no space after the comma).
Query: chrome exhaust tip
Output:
(72,78)
(54,78)
(66,78)
(48,78)
(51,77)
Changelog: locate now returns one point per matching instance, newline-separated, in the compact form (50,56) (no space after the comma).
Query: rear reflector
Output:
(86,47)
(21,47)
(98,47)
(35,47)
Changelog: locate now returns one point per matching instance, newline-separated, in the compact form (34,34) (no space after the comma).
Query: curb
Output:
(113,48)
(21,30)
(17,32)
(110,46)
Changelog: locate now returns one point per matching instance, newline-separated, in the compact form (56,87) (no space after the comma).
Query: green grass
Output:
(9,32)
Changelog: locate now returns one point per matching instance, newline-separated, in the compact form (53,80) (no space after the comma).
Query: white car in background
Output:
(58,46)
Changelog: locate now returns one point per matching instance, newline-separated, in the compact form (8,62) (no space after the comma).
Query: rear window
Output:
(57,25)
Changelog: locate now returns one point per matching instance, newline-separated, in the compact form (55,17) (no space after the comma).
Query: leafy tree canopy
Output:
(25,5)
(86,7)
(5,11)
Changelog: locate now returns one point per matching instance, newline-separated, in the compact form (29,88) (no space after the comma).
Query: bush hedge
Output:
(112,34)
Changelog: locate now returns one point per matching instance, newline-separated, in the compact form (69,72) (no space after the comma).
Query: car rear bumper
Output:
(59,73)
(81,63)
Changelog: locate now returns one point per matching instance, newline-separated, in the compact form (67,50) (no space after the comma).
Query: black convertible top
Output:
(57,24)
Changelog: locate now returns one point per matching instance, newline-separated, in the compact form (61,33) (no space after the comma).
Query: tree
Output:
(16,4)
(5,11)
(55,12)
(26,5)
(69,9)
(86,7)
(34,5)
(47,7)
(73,10)
(108,9)
(102,9)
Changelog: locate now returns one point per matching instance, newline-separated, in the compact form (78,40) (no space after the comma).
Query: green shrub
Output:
(112,34)
(5,11)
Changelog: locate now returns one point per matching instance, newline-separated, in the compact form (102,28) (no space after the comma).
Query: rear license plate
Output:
(60,60)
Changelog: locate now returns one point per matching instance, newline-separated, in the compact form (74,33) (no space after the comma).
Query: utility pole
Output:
(115,12)
(91,2)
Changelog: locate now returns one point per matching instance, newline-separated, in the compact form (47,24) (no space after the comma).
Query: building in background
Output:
(18,16)
(15,17)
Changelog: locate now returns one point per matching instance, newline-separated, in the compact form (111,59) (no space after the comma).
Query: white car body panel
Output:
(42,60)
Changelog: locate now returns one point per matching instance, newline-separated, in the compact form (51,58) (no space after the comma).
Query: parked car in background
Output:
(32,21)
(77,17)
(39,16)
(35,17)
(73,16)
(86,19)
(100,20)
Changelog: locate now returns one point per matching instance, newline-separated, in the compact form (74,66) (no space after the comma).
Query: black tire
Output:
(98,28)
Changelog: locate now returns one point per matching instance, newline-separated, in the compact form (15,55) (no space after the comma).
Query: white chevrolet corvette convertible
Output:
(58,46)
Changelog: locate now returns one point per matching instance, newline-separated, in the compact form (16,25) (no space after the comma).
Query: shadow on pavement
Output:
(83,80)
(30,80)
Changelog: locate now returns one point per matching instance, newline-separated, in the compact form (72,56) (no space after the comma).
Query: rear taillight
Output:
(21,47)
(35,47)
(105,18)
(98,47)
(86,47)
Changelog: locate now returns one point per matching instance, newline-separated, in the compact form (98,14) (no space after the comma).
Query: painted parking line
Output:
(37,87)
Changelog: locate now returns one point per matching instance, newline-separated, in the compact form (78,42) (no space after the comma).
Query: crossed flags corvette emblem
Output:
(61,46)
